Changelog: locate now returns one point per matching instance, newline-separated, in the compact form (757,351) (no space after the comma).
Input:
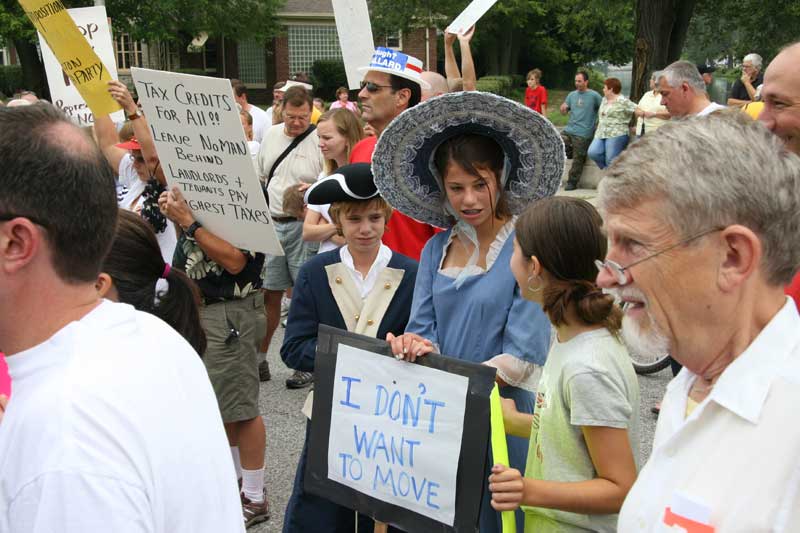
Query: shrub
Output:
(327,75)
(10,79)
(491,86)
(500,84)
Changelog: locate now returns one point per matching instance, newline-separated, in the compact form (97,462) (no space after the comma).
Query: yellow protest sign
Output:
(500,450)
(76,56)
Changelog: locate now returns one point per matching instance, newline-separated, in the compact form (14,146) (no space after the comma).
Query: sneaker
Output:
(300,380)
(285,304)
(263,371)
(570,186)
(283,323)
(254,513)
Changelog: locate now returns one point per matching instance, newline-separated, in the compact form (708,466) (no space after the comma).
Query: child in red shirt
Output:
(535,94)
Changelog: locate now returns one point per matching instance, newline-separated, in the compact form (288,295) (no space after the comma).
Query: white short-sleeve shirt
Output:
(113,426)
(734,463)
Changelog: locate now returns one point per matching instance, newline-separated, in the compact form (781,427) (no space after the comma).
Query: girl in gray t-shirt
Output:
(584,432)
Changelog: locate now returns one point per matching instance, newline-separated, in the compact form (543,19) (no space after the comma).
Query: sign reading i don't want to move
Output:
(403,443)
(201,144)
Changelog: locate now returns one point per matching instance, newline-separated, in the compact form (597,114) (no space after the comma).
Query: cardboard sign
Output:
(88,74)
(355,37)
(202,148)
(386,435)
(472,14)
(92,22)
(391,425)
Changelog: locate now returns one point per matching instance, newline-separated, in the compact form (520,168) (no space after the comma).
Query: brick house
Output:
(309,33)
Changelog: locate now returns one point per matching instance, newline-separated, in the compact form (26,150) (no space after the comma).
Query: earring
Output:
(537,288)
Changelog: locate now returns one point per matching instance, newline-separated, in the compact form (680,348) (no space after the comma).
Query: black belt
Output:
(213,300)
(284,219)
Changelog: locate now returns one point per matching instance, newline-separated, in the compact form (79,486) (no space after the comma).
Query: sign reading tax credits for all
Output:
(93,25)
(75,55)
(396,431)
(202,148)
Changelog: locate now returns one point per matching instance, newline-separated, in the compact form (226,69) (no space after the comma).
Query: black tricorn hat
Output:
(347,184)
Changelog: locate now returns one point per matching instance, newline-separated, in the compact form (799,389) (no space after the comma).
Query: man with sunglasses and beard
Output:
(392,84)
(703,235)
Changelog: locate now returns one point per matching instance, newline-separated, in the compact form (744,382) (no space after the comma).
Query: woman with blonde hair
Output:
(339,130)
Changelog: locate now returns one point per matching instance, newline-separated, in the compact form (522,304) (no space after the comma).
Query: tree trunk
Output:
(492,58)
(661,27)
(683,15)
(32,68)
(515,47)
(506,48)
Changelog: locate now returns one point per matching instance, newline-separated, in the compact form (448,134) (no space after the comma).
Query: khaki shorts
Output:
(231,357)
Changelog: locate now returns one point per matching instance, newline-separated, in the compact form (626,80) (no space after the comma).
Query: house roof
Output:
(307,7)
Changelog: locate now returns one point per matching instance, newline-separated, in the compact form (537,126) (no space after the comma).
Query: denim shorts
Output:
(280,271)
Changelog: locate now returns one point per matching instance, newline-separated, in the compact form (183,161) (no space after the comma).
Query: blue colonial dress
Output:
(477,319)
(327,291)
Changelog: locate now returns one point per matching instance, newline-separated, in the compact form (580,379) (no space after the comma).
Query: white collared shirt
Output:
(734,462)
(365,284)
(710,108)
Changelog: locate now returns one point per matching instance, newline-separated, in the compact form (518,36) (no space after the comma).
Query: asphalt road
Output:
(286,430)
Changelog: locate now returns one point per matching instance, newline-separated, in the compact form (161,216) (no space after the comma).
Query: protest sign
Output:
(75,55)
(92,22)
(386,435)
(355,37)
(202,148)
(471,14)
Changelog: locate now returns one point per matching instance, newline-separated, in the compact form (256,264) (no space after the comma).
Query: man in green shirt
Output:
(582,105)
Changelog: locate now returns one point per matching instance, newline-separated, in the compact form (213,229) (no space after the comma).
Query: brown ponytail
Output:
(135,266)
(565,235)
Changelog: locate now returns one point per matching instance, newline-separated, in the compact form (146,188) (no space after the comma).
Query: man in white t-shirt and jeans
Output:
(112,424)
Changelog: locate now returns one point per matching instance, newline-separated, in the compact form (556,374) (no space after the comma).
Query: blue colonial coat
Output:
(323,294)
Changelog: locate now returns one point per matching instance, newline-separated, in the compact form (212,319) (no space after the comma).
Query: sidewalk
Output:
(589,180)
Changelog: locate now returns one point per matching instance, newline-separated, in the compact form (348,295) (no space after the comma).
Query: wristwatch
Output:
(136,115)
(193,227)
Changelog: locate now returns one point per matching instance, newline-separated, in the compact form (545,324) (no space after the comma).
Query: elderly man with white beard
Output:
(703,230)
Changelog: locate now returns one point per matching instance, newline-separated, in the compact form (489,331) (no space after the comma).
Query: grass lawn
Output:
(555,97)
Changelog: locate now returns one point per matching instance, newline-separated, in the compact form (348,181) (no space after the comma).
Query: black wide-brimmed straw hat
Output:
(347,184)
(403,162)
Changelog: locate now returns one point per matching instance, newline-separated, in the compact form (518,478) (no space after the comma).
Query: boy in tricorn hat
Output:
(362,287)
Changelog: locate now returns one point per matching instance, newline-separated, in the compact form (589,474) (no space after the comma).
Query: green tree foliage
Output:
(164,20)
(730,29)
(173,20)
(516,35)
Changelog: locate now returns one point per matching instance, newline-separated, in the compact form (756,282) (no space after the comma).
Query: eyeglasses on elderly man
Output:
(620,272)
